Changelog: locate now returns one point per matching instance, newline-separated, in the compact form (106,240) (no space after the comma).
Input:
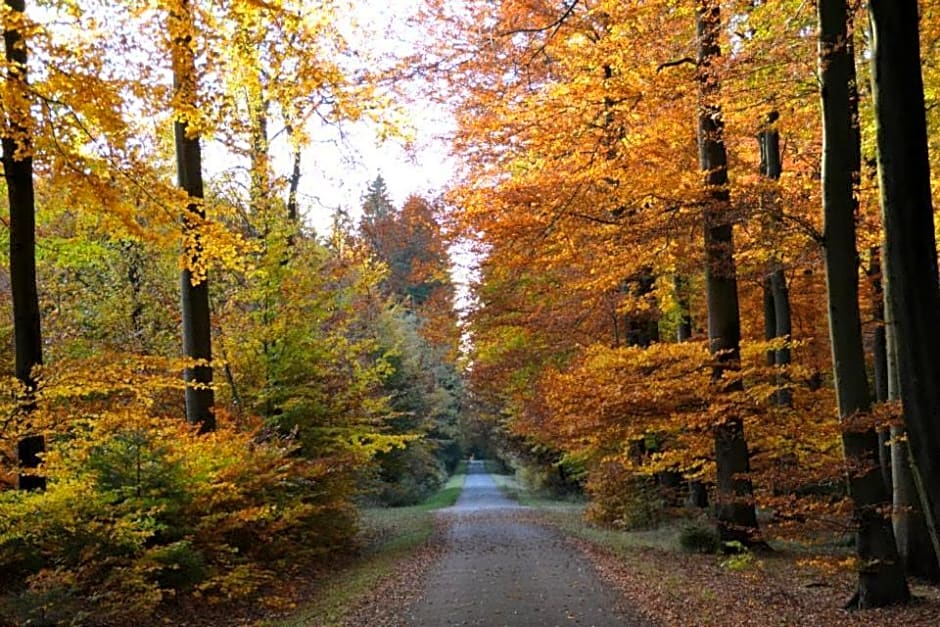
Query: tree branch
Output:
(668,64)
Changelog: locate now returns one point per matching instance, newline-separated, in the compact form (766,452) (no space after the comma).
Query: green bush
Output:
(699,538)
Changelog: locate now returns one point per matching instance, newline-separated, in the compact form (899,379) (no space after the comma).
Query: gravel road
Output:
(497,568)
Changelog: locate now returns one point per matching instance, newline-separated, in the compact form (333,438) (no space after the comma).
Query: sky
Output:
(337,170)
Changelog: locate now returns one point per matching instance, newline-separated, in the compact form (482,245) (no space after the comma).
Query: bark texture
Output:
(881,575)
(737,520)
(910,258)
(18,172)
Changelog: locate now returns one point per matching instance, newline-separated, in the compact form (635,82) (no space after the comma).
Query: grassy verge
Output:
(513,488)
(568,515)
(389,535)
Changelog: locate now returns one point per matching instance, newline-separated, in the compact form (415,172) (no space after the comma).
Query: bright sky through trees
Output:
(341,161)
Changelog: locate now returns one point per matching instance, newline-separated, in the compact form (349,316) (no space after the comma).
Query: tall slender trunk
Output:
(259,191)
(881,575)
(18,172)
(778,322)
(135,262)
(911,531)
(735,508)
(879,350)
(293,186)
(293,214)
(197,335)
(770,319)
(684,328)
(698,492)
(910,257)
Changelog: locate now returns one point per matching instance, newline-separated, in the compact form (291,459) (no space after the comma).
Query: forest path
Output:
(498,568)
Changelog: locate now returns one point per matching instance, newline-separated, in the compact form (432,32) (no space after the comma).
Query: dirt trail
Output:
(500,569)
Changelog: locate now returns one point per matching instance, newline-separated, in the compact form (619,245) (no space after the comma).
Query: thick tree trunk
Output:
(910,258)
(18,172)
(735,508)
(197,336)
(910,526)
(881,575)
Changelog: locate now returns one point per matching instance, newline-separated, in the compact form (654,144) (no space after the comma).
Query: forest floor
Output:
(423,560)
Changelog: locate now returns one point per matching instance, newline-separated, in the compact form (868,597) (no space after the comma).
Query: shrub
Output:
(623,499)
(699,538)
(140,509)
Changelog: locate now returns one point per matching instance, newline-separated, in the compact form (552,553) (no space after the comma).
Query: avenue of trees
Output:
(707,282)
(708,262)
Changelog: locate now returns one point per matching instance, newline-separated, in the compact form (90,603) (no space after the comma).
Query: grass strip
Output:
(391,534)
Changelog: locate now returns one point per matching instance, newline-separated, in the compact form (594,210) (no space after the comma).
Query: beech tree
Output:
(194,282)
(18,173)
(737,518)
(910,245)
(881,574)
(777,316)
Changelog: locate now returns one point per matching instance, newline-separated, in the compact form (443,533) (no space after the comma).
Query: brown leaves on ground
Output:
(688,589)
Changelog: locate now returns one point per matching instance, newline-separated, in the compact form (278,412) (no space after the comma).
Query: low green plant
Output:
(699,538)
(738,556)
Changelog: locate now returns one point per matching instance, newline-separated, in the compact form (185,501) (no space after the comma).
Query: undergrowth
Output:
(388,536)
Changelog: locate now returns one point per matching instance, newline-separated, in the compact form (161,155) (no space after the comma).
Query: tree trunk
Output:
(642,329)
(259,191)
(135,262)
(770,320)
(881,575)
(907,513)
(684,328)
(735,509)
(698,492)
(880,361)
(18,172)
(292,211)
(910,258)
(197,337)
(778,324)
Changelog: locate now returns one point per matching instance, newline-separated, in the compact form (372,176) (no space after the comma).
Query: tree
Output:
(18,173)
(194,282)
(776,295)
(910,245)
(737,518)
(911,531)
(881,575)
